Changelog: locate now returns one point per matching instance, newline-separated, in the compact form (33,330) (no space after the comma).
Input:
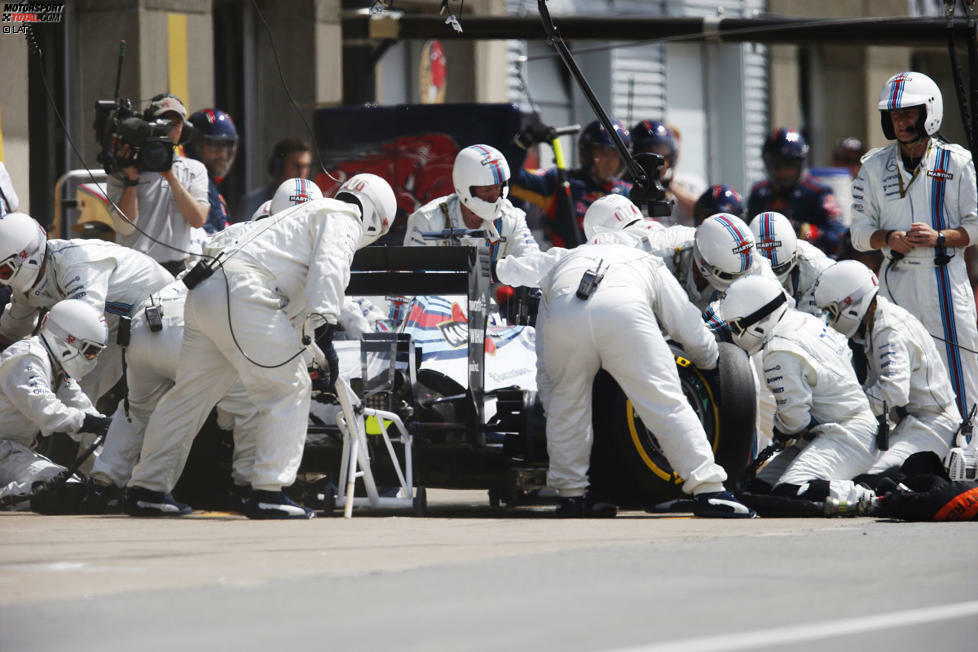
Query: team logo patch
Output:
(742,247)
(940,174)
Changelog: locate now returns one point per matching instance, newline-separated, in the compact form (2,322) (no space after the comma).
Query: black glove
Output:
(96,424)
(535,133)
(326,382)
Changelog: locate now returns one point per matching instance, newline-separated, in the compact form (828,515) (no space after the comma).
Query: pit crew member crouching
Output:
(39,392)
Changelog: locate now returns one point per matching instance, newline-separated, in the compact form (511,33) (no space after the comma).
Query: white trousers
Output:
(615,330)
(20,468)
(210,363)
(152,360)
(942,299)
(924,432)
(838,452)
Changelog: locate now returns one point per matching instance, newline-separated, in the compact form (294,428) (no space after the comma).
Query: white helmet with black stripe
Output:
(752,306)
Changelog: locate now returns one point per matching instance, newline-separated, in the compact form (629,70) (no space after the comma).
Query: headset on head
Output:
(282,149)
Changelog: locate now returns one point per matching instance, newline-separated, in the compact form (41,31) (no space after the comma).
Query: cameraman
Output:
(164,205)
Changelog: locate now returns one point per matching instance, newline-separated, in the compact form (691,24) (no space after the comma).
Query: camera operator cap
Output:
(164,104)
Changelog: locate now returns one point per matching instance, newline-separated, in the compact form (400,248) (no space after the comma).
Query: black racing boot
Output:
(585,507)
(720,504)
(144,502)
(274,504)
(102,499)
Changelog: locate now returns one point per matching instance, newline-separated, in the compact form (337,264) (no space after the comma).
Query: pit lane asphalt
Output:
(472,578)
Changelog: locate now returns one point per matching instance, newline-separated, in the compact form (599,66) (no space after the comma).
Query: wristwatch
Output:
(940,239)
(128,183)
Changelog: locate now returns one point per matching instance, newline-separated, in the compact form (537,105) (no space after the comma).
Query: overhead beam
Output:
(767,30)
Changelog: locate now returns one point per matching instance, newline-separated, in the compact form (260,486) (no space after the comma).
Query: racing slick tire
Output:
(627,465)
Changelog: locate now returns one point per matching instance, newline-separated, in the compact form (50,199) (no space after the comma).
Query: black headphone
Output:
(282,149)
(275,164)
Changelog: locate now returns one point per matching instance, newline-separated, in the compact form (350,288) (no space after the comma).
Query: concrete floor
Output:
(472,578)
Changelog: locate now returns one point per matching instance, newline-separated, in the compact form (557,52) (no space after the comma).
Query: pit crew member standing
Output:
(39,392)
(164,205)
(152,356)
(579,332)
(597,176)
(916,200)
(238,324)
(108,277)
(904,368)
(819,401)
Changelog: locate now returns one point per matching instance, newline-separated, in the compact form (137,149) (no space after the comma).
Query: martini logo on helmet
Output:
(768,243)
(489,160)
(741,247)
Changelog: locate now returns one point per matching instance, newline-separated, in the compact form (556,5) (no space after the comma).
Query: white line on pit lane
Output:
(810,632)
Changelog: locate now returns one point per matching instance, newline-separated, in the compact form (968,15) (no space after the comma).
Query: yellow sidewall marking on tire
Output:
(668,476)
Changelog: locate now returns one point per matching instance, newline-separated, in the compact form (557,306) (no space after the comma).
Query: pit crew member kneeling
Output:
(905,371)
(39,392)
(822,420)
(237,324)
(600,307)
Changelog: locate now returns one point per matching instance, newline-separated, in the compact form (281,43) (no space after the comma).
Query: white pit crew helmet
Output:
(22,246)
(610,213)
(752,306)
(775,238)
(74,333)
(845,291)
(377,203)
(723,249)
(480,165)
(262,211)
(293,192)
(906,90)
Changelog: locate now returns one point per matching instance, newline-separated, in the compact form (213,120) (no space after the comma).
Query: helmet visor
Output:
(8,268)
(782,269)
(89,350)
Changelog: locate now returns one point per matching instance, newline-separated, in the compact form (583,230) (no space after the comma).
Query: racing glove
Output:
(326,382)
(535,133)
(95,424)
